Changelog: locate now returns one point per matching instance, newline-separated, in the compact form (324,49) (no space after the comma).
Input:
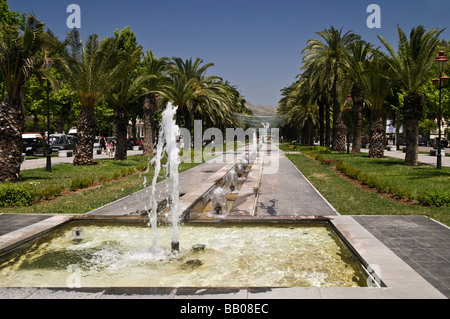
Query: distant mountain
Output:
(261,110)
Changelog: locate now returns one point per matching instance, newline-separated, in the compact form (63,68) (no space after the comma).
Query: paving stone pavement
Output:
(421,242)
(12,222)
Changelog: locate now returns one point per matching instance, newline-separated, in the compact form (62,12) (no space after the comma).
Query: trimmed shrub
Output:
(80,183)
(103,178)
(434,199)
(49,192)
(115,175)
(15,196)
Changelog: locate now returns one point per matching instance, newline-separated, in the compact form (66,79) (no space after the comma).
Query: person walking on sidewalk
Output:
(102,144)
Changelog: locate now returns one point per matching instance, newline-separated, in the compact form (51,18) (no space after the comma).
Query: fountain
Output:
(219,201)
(167,143)
(231,180)
(77,234)
(253,149)
(255,255)
(240,169)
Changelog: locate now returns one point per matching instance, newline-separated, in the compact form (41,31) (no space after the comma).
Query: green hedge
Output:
(434,199)
(81,182)
(15,196)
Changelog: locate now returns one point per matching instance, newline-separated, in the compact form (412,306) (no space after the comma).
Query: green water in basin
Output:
(119,255)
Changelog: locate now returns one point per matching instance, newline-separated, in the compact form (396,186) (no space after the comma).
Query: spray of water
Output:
(167,143)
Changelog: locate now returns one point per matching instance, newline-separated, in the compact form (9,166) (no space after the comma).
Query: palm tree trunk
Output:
(358,101)
(312,129)
(86,127)
(336,113)
(149,108)
(340,133)
(11,127)
(413,109)
(187,119)
(121,119)
(321,123)
(133,126)
(327,125)
(376,149)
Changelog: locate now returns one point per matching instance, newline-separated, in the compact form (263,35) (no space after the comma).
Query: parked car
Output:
(364,141)
(59,142)
(134,142)
(73,131)
(33,146)
(401,140)
(434,142)
(423,141)
(72,139)
(97,142)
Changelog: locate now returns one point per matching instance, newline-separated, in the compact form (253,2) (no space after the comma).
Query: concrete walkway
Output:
(42,162)
(288,192)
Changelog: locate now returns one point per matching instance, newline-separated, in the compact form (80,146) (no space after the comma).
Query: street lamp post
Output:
(348,101)
(440,61)
(48,150)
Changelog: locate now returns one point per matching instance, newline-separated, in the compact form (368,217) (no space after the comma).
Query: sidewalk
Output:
(288,192)
(42,162)
(423,158)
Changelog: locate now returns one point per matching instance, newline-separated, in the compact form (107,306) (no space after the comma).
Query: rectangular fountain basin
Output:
(112,254)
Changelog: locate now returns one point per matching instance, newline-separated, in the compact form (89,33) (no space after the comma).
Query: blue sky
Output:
(255,45)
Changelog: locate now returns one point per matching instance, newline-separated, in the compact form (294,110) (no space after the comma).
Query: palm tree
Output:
(377,81)
(129,87)
(329,52)
(355,60)
(218,103)
(299,110)
(22,54)
(412,65)
(319,85)
(156,69)
(90,71)
(188,83)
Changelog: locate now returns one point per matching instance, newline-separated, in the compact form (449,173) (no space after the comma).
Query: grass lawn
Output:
(350,199)
(111,179)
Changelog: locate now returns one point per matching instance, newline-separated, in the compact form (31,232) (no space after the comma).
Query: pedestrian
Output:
(109,147)
(113,147)
(102,144)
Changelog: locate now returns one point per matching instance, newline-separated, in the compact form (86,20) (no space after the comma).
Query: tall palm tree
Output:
(188,84)
(90,71)
(319,85)
(22,54)
(299,110)
(129,86)
(155,68)
(329,51)
(413,65)
(355,60)
(377,81)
